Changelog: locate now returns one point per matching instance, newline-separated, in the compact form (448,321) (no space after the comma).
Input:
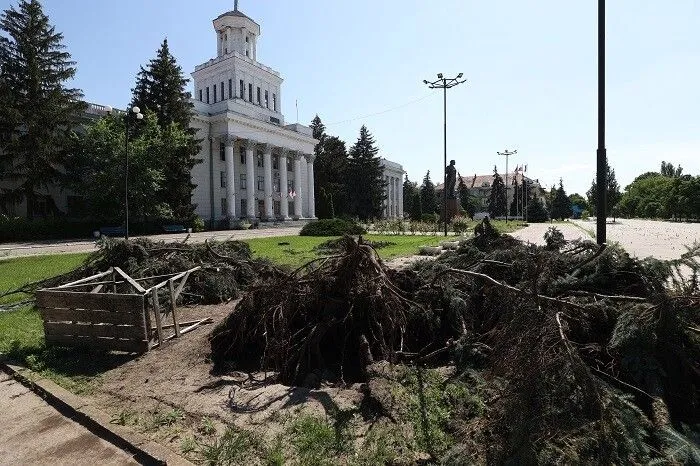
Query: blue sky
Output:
(530,65)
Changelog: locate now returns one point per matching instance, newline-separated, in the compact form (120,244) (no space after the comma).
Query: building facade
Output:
(393,179)
(254,166)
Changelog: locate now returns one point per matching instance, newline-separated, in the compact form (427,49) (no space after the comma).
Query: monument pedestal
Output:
(452,208)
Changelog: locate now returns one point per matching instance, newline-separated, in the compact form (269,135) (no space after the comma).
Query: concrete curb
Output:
(75,408)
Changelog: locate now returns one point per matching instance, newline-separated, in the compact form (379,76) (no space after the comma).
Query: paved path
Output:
(641,238)
(37,248)
(35,433)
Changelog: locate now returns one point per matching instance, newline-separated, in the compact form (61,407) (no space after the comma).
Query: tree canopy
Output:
(365,180)
(612,196)
(497,197)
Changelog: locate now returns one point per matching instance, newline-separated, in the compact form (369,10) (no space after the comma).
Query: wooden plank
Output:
(173,307)
(90,316)
(76,300)
(184,280)
(113,344)
(102,330)
(194,326)
(85,280)
(182,324)
(131,281)
(97,289)
(156,310)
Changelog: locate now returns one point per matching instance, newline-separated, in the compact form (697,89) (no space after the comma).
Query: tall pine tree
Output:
(330,173)
(410,188)
(466,200)
(497,197)
(561,205)
(428,197)
(37,111)
(365,181)
(161,89)
(612,192)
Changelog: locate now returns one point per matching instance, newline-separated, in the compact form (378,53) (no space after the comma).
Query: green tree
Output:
(38,111)
(466,200)
(561,204)
(410,188)
(515,208)
(330,172)
(667,169)
(365,180)
(612,196)
(97,167)
(416,207)
(428,197)
(579,201)
(161,88)
(497,197)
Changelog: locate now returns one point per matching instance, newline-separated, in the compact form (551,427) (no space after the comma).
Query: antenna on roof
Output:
(235,5)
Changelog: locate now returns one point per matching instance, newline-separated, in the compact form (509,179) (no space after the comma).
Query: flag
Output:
(525,168)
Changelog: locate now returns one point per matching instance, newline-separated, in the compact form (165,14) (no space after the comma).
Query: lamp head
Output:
(136,110)
(139,116)
(425,81)
(459,76)
(108,109)
(439,75)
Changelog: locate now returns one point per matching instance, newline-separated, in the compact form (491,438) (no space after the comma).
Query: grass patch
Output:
(295,251)
(22,270)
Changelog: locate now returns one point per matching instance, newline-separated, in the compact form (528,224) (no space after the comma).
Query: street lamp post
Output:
(444,84)
(601,155)
(139,116)
(507,153)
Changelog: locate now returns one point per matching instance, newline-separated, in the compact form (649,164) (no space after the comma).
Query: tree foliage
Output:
(497,197)
(612,192)
(561,204)
(365,180)
(37,111)
(410,189)
(428,197)
(161,88)
(466,201)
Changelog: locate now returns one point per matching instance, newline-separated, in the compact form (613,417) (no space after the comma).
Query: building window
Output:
(214,93)
(230,88)
(244,184)
(200,95)
(290,164)
(207,94)
(242,89)
(276,186)
(222,91)
(246,39)
(223,179)
(274,101)
(261,183)
(275,162)
(224,207)
(250,92)
(267,100)
(259,159)
(290,186)
(276,208)
(222,151)
(242,155)
(259,102)
(244,207)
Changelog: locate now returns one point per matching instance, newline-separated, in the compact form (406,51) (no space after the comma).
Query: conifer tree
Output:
(497,197)
(612,192)
(465,198)
(330,173)
(514,209)
(410,188)
(37,110)
(161,88)
(428,197)
(561,205)
(416,207)
(366,186)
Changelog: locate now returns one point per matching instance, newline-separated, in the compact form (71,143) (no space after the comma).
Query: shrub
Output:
(197,225)
(585,215)
(430,218)
(332,227)
(460,225)
(554,239)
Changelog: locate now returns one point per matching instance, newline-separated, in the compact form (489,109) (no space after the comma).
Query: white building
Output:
(393,177)
(254,165)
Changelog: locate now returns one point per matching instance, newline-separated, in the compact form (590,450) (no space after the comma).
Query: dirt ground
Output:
(169,392)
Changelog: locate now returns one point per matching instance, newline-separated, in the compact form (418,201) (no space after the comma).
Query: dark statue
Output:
(451,179)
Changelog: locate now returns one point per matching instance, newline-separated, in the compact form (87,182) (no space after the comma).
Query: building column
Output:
(396,197)
(392,206)
(250,178)
(401,211)
(284,190)
(229,141)
(310,183)
(297,185)
(267,171)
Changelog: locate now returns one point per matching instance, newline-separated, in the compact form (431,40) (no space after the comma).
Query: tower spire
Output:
(235,5)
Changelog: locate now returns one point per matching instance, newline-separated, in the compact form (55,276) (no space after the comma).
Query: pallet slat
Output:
(130,346)
(123,303)
(102,330)
(91,317)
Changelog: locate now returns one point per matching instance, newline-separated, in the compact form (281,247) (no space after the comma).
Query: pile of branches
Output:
(227,267)
(596,354)
(329,320)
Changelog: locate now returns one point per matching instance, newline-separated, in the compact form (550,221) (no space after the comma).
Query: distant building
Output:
(480,188)
(393,200)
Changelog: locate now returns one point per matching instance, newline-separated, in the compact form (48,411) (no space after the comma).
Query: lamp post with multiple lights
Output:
(444,84)
(601,153)
(139,116)
(507,153)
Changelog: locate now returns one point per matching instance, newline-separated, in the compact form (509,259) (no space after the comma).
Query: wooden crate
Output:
(104,321)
